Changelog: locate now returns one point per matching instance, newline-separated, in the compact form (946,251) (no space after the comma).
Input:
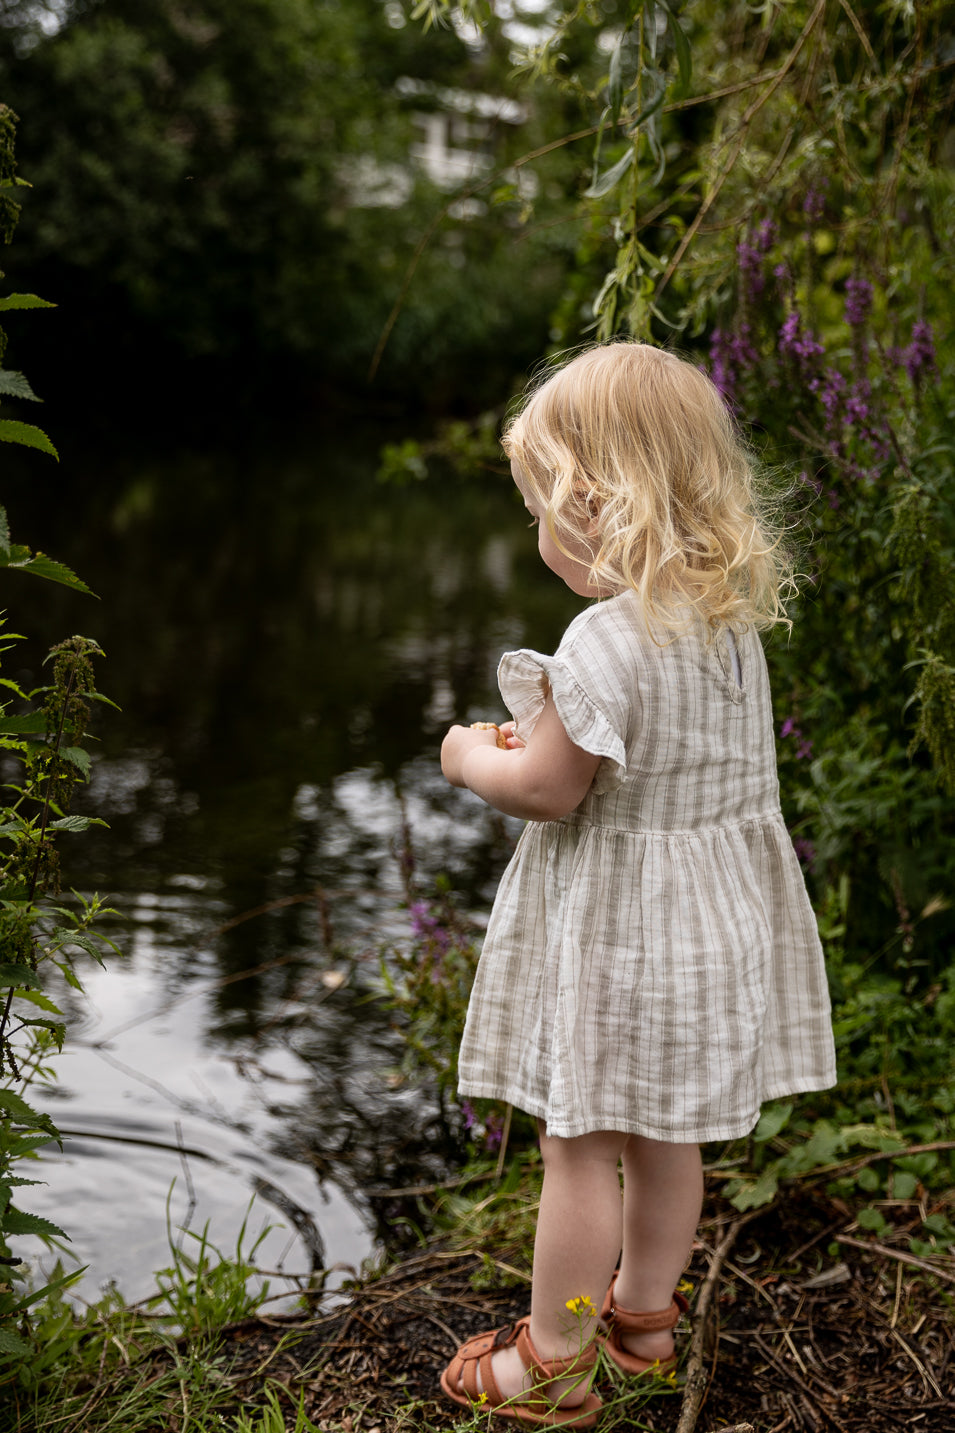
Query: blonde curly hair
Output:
(633,450)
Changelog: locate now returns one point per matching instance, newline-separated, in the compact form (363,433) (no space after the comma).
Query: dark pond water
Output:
(287,640)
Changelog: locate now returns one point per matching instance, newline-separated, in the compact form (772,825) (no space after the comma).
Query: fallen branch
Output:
(696,1377)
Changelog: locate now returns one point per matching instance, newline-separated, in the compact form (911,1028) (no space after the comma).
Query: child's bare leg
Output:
(663,1194)
(575,1249)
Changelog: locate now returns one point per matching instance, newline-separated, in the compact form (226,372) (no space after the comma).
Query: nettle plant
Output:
(42,758)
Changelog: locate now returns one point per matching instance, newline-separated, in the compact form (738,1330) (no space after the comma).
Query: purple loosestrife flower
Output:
(858,301)
(814,204)
(470,1118)
(806,852)
(750,253)
(799,344)
(919,357)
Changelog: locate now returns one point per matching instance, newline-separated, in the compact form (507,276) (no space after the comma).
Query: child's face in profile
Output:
(572,566)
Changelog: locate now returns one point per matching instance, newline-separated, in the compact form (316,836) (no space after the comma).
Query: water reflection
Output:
(286,640)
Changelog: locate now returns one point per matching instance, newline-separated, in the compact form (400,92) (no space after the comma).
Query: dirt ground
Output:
(815,1326)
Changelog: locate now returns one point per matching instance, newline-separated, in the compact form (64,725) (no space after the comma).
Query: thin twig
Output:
(696,1380)
(883,1249)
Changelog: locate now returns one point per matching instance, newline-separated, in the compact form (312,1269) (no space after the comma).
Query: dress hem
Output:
(573,1129)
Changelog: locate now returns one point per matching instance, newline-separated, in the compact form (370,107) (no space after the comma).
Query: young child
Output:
(652,970)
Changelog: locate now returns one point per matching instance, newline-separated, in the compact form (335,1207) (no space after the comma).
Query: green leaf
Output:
(763,1191)
(12,1343)
(75,823)
(615,78)
(20,977)
(771,1121)
(872,1219)
(33,723)
(13,1105)
(19,1221)
(904,1184)
(681,47)
(42,566)
(605,182)
(40,1001)
(78,757)
(11,431)
(24,301)
(15,385)
(64,935)
(56,1029)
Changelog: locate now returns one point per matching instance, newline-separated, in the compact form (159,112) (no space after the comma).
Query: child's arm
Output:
(541,781)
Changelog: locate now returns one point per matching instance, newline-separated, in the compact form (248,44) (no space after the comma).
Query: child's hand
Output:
(512,741)
(459,742)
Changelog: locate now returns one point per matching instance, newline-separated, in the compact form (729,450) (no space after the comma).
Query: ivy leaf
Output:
(28,434)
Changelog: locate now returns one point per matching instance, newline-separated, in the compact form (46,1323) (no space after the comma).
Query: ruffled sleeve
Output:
(525,677)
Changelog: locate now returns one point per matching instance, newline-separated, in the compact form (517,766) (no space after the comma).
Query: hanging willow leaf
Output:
(681,47)
(605,182)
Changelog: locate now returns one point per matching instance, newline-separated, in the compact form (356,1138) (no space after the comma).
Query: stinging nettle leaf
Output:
(30,724)
(20,977)
(42,566)
(78,757)
(28,434)
(12,301)
(19,1221)
(15,385)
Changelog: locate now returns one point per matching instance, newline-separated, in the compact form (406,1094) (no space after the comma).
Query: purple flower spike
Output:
(858,301)
(814,204)
(919,357)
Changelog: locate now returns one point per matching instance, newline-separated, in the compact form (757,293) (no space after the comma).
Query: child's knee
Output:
(604,1146)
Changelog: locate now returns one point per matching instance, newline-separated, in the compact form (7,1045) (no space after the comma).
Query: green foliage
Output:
(428,985)
(236,182)
(201,1292)
(38,934)
(272,1418)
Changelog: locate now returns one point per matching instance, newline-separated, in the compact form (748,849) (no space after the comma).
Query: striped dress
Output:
(652,963)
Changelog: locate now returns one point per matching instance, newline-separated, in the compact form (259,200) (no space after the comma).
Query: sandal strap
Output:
(635,1321)
(544,1372)
(476,1355)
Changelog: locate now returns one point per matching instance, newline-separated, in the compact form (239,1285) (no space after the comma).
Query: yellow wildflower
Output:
(684,1287)
(582,1305)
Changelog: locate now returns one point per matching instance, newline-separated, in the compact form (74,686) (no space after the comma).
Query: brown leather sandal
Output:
(620,1321)
(534,1408)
